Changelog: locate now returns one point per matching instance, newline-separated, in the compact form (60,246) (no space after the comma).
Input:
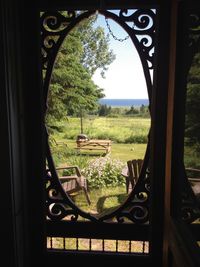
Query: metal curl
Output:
(54,193)
(55,21)
(143,21)
(139,214)
(147,186)
(49,42)
(120,219)
(194,21)
(147,42)
(52,23)
(74,217)
(142,196)
(56,211)
(142,18)
(123,11)
(187,214)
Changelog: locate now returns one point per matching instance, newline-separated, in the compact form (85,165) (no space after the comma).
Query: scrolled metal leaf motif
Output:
(137,209)
(190,209)
(144,30)
(194,22)
(56,205)
(53,26)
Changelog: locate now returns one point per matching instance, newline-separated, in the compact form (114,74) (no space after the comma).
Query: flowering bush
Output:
(104,172)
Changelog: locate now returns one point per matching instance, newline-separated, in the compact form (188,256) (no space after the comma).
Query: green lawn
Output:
(128,136)
(106,199)
(123,152)
(118,130)
(103,200)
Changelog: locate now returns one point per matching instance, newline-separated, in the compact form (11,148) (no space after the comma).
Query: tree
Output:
(96,53)
(104,110)
(72,91)
(192,123)
(132,111)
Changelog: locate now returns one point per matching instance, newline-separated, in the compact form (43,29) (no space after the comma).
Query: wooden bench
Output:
(94,144)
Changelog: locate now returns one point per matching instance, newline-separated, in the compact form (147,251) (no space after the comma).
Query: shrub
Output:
(104,172)
(137,139)
(79,160)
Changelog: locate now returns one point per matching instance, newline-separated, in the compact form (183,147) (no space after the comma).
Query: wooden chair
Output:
(193,176)
(131,173)
(73,181)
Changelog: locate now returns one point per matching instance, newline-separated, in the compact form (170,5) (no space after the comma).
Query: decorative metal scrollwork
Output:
(57,208)
(54,28)
(144,30)
(190,204)
(190,210)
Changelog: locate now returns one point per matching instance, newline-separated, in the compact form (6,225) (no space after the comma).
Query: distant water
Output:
(124,102)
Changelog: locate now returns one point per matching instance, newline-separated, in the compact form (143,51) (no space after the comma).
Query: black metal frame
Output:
(136,207)
(187,208)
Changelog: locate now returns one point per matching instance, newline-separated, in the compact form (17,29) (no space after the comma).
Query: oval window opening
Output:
(98,118)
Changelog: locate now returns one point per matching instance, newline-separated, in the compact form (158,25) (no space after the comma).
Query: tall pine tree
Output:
(72,90)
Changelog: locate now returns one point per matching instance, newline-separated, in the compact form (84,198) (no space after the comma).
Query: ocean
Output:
(124,102)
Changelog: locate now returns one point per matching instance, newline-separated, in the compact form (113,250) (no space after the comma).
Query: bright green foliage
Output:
(96,53)
(72,91)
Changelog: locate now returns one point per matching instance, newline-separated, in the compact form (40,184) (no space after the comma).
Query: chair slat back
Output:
(134,168)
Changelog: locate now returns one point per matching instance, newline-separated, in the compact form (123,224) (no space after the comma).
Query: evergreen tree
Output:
(72,90)
(132,111)
(104,110)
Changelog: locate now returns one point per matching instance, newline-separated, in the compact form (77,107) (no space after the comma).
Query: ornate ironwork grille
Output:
(190,208)
(61,212)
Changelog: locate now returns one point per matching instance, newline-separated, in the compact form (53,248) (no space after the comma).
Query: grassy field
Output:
(128,135)
(118,130)
(123,152)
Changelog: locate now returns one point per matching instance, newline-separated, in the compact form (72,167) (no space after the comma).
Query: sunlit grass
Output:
(103,200)
(120,130)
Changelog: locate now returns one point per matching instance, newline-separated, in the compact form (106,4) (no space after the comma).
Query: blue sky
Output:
(124,78)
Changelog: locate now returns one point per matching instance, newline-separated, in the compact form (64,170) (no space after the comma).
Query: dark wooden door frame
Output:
(29,122)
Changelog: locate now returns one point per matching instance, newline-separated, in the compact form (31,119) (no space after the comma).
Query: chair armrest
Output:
(125,172)
(78,172)
(64,179)
(192,169)
(197,179)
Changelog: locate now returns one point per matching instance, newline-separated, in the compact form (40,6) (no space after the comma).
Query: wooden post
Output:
(81,117)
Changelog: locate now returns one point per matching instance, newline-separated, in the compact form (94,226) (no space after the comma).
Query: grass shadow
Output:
(101,203)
